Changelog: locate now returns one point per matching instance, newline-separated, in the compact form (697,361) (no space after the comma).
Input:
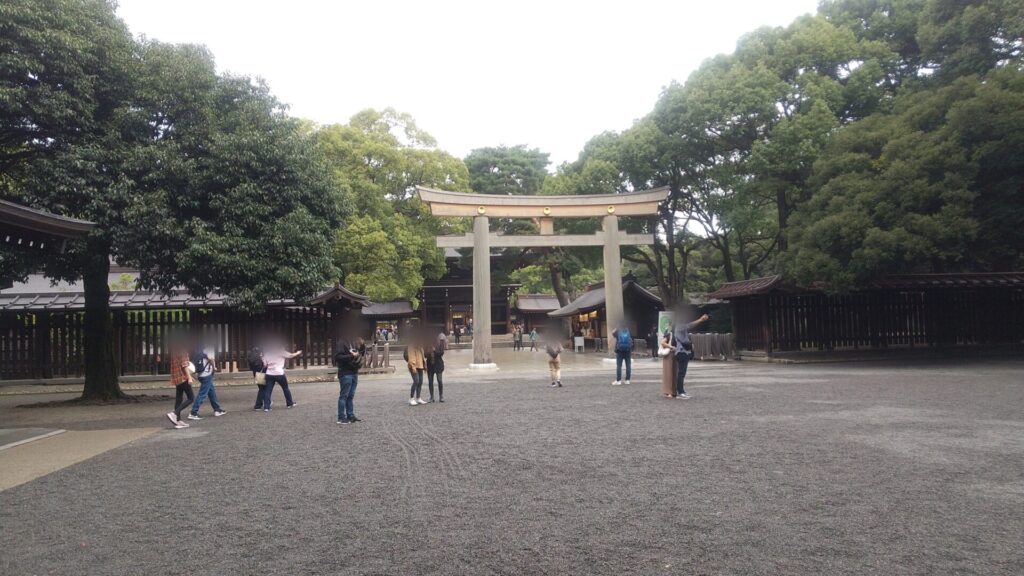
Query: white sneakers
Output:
(223,412)
(616,383)
(172,417)
(422,401)
(180,425)
(683,397)
(627,382)
(413,402)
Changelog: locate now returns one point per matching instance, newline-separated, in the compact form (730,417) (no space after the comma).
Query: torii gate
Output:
(545,209)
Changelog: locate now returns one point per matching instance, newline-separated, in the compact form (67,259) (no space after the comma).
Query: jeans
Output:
(682,361)
(440,383)
(621,357)
(206,389)
(345,394)
(182,391)
(417,383)
(283,381)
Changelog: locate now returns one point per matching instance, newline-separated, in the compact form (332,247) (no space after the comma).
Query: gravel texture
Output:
(835,469)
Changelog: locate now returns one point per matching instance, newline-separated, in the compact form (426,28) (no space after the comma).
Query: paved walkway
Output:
(837,469)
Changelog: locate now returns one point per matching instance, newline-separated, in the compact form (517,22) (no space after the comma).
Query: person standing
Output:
(533,340)
(181,379)
(668,366)
(458,334)
(259,369)
(554,350)
(349,359)
(435,368)
(205,361)
(652,343)
(683,351)
(274,359)
(414,359)
(623,353)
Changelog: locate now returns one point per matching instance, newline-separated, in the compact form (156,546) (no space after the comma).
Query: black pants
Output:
(440,383)
(261,393)
(682,361)
(417,383)
(183,398)
(269,390)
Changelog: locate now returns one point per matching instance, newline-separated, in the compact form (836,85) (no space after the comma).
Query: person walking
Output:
(205,361)
(554,350)
(181,379)
(435,368)
(259,376)
(683,348)
(623,353)
(350,358)
(274,359)
(414,359)
(533,340)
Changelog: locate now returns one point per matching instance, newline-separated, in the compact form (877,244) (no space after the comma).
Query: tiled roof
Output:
(145,300)
(396,308)
(537,303)
(961,280)
(594,299)
(751,287)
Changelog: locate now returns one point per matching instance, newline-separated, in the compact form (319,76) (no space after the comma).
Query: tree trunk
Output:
(725,249)
(101,369)
(557,284)
(780,200)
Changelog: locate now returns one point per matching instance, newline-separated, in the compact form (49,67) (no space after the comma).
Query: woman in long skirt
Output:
(668,368)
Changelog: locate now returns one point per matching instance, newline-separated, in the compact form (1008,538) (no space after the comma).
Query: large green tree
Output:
(385,248)
(200,180)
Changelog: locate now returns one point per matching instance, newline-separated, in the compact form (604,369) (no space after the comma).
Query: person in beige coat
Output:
(417,364)
(668,367)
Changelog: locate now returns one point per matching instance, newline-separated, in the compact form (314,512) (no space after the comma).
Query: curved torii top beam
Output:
(445,203)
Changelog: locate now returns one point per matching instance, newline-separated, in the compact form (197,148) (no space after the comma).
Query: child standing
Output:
(554,350)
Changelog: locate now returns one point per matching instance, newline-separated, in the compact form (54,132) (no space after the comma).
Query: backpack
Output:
(198,358)
(623,341)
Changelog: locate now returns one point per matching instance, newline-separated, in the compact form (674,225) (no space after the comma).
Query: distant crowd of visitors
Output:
(424,359)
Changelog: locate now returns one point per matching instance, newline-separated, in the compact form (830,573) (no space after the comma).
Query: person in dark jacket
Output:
(349,359)
(435,367)
(255,359)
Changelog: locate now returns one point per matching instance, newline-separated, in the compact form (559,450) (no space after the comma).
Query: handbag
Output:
(664,351)
(260,378)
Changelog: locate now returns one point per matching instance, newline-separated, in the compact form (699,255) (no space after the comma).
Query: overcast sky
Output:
(547,74)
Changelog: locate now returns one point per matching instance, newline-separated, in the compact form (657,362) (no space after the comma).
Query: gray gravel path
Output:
(835,469)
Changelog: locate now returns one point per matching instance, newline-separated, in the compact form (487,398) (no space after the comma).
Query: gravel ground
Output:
(834,469)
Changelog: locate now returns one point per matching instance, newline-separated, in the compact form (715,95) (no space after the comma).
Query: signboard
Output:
(664,321)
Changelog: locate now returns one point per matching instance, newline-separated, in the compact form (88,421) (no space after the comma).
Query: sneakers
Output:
(421,401)
(353,420)
(430,400)
(554,384)
(413,402)
(441,399)
(342,422)
(683,397)
(617,383)
(627,382)
(194,417)
(559,383)
(219,412)
(180,425)
(292,405)
(172,417)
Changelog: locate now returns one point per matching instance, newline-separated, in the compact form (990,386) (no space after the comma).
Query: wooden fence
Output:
(49,344)
(879,319)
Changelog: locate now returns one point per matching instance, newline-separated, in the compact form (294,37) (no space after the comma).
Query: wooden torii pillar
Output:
(481,207)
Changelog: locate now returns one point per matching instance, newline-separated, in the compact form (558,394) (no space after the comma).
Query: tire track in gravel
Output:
(450,463)
(411,459)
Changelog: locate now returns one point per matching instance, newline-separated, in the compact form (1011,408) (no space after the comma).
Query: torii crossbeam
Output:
(545,209)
